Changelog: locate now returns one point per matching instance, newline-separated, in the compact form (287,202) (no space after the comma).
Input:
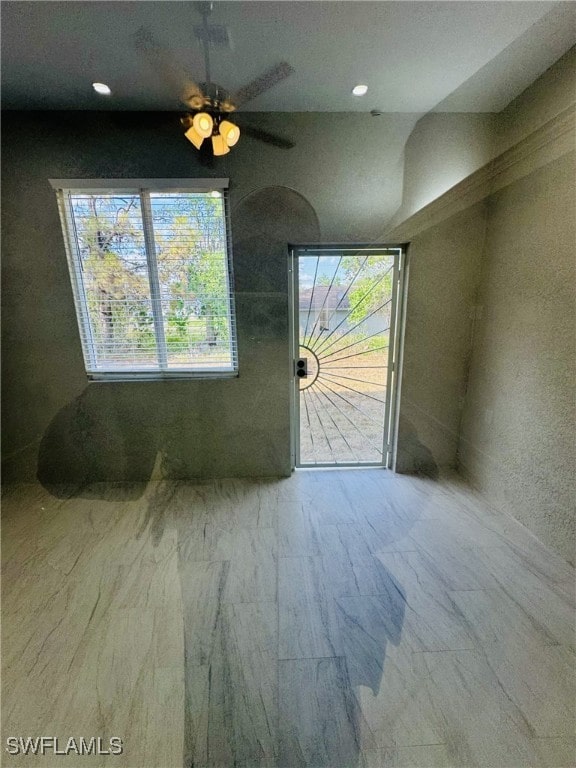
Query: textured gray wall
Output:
(442,150)
(444,271)
(446,147)
(490,346)
(61,427)
(553,92)
(517,441)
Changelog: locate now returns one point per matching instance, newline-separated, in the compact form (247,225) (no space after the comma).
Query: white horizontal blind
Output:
(152,279)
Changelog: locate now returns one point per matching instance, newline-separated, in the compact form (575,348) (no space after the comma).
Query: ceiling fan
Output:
(209,105)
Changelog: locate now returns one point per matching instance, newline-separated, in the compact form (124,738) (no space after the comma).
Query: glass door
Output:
(344,318)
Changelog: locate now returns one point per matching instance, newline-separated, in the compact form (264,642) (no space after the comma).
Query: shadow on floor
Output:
(296,696)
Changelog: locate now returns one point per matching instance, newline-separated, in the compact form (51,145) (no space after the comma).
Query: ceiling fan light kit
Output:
(230,132)
(203,126)
(193,136)
(211,105)
(219,146)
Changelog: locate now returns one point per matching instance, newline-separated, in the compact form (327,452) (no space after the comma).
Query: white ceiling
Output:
(414,56)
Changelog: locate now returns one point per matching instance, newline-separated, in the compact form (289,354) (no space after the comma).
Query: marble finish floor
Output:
(337,619)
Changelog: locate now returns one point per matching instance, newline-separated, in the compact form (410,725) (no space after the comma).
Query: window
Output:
(324,319)
(151,274)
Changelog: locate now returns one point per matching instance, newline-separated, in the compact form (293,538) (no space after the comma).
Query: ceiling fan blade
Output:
(268,138)
(171,72)
(268,80)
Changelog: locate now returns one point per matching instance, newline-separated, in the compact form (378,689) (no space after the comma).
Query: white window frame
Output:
(143,188)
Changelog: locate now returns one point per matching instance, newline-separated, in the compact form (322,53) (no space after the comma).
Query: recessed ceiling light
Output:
(360,90)
(102,89)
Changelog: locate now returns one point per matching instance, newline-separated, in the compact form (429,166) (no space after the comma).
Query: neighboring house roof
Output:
(324,297)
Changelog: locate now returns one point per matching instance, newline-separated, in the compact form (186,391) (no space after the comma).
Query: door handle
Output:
(302,367)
